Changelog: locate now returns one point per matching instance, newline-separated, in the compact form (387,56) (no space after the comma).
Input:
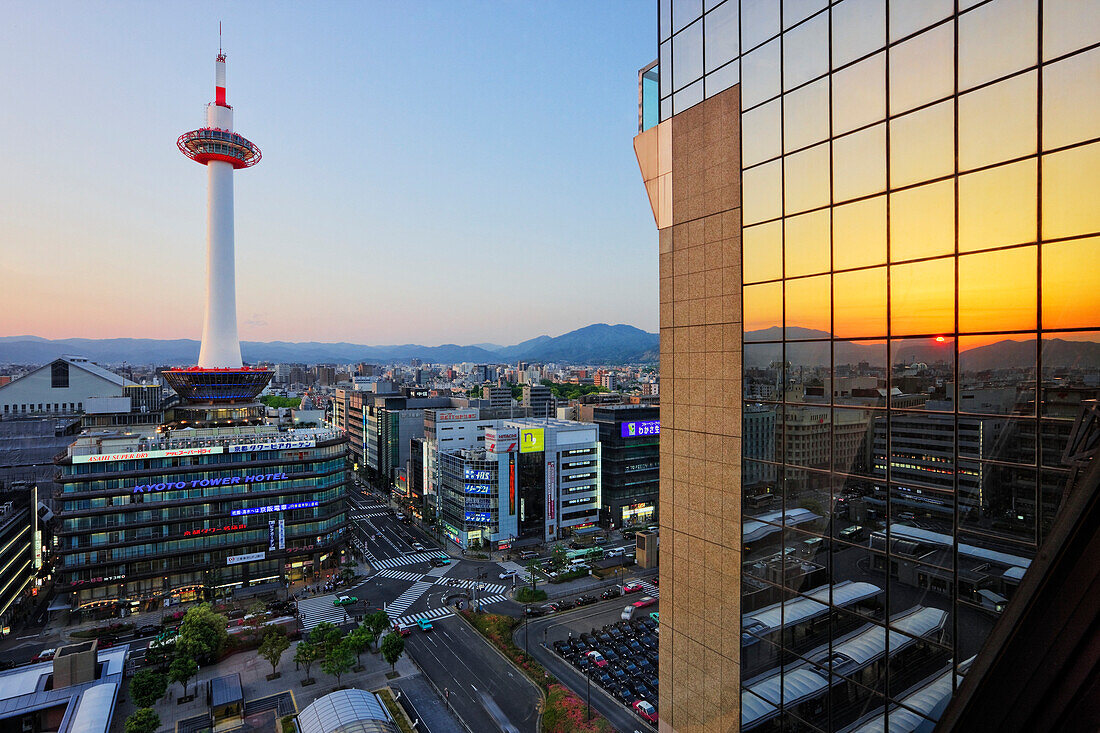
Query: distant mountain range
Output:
(598,343)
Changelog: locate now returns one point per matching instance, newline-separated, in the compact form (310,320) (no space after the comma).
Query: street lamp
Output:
(588,689)
(526,618)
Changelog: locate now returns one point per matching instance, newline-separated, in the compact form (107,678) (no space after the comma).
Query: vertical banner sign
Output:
(282,534)
(511,483)
(271,534)
(551,484)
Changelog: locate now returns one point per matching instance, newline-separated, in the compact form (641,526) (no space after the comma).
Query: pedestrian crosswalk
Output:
(490,600)
(368,514)
(486,588)
(396,562)
(400,575)
(518,569)
(432,615)
(397,606)
(316,609)
(649,589)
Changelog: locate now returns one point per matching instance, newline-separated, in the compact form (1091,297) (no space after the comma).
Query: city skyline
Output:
(433,187)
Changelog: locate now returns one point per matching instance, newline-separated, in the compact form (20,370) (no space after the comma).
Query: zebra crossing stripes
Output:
(401,575)
(490,600)
(314,610)
(396,562)
(649,589)
(486,588)
(397,606)
(432,615)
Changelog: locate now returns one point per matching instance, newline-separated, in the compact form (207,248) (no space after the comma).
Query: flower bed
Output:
(564,712)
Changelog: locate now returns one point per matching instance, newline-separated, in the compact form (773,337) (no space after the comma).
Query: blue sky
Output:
(433,172)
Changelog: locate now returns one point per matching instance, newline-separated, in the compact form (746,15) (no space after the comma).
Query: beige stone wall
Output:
(700,495)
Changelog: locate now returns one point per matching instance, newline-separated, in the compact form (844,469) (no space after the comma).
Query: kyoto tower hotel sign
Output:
(219,377)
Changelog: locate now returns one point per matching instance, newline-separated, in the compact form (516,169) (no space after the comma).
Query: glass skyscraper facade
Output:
(918,230)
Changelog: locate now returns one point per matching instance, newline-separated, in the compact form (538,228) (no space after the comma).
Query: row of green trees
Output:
(338,652)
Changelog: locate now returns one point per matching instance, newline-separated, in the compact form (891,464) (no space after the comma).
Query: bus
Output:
(587,553)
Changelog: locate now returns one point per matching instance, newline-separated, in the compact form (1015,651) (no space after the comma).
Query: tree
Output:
(306,654)
(147,687)
(273,646)
(325,636)
(144,720)
(338,661)
(559,555)
(182,670)
(347,571)
(358,640)
(376,623)
(392,647)
(257,614)
(202,634)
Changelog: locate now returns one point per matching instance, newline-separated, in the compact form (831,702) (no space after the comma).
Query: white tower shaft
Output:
(221,346)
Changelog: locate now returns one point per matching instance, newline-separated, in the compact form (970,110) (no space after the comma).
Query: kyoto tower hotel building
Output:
(211,503)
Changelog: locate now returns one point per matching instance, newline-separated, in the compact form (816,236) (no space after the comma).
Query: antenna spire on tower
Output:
(220,38)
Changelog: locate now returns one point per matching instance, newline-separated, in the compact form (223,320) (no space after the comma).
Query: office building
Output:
(877,227)
(539,399)
(59,388)
(630,438)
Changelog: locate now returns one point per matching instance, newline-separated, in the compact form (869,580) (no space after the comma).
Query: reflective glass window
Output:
(1071,298)
(687,56)
(761,74)
(665,18)
(854,449)
(997,39)
(859,369)
(722,35)
(859,94)
(1071,196)
(922,297)
(763,372)
(922,374)
(807,302)
(761,133)
(1071,108)
(1000,502)
(859,303)
(1009,439)
(859,28)
(922,69)
(998,122)
(806,115)
(759,22)
(806,51)
(687,97)
(908,17)
(997,377)
(1069,25)
(997,290)
(922,145)
(807,366)
(997,206)
(762,192)
(723,79)
(685,11)
(795,11)
(763,309)
(665,77)
(806,179)
(807,243)
(859,233)
(859,163)
(922,221)
(1070,378)
(763,252)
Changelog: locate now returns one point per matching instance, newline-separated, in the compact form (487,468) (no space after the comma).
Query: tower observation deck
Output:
(220,379)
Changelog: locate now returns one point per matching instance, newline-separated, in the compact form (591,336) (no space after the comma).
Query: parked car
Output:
(647,711)
(597,658)
(345,601)
(424,624)
(528,555)
(600,540)
(656,616)
(402,629)
(550,607)
(632,588)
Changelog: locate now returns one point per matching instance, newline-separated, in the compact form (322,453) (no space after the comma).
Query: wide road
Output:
(575,623)
(484,689)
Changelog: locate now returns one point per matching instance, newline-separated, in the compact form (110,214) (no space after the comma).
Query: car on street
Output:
(627,614)
(424,624)
(597,659)
(633,588)
(647,711)
(418,547)
(610,593)
(534,611)
(646,601)
(551,607)
(600,540)
(656,616)
(402,629)
(345,601)
(585,600)
(45,655)
(508,574)
(438,562)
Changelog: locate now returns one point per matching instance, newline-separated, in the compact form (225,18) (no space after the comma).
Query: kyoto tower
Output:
(220,382)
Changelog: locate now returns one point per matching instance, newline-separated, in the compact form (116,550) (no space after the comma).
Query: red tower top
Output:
(217,141)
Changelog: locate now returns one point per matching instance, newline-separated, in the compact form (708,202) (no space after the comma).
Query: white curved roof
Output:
(791,687)
(926,700)
(871,644)
(346,711)
(797,610)
(93,713)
